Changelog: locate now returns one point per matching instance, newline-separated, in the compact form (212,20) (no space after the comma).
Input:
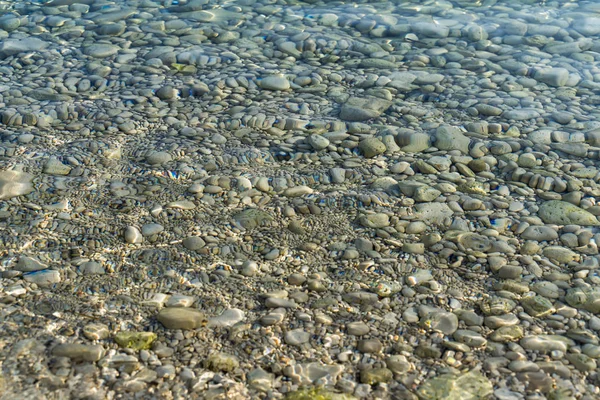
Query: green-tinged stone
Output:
(425,168)
(537,306)
(496,305)
(470,386)
(472,187)
(585,298)
(42,95)
(376,375)
(317,394)
(506,334)
(252,218)
(564,213)
(221,362)
(386,289)
(582,362)
(184,68)
(560,254)
(372,147)
(135,340)
(561,393)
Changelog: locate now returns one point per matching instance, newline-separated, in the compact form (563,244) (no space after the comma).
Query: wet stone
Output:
(275,83)
(539,233)
(101,50)
(585,298)
(444,322)
(15,183)
(376,375)
(470,338)
(181,318)
(135,340)
(370,346)
(45,277)
(363,109)
(227,319)
(372,147)
(220,361)
(193,243)
(29,264)
(537,306)
(205,198)
(96,331)
(296,337)
(497,306)
(79,352)
(379,220)
(506,334)
(158,158)
(357,328)
(563,213)
(472,385)
(546,343)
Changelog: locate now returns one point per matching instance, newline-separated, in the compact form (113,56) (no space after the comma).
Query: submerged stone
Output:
(317,394)
(362,109)
(564,213)
(135,340)
(15,183)
(470,386)
(181,318)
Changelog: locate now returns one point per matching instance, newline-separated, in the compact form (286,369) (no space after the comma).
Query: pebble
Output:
(357,109)
(357,328)
(372,147)
(135,340)
(151,229)
(133,235)
(96,331)
(469,385)
(275,83)
(546,343)
(296,337)
(101,50)
(540,233)
(29,264)
(181,318)
(563,213)
(379,220)
(227,319)
(15,183)
(45,277)
(193,243)
(11,47)
(79,352)
(220,361)
(158,158)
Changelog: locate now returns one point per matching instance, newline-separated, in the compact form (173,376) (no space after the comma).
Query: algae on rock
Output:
(564,213)
(317,394)
(135,340)
(470,386)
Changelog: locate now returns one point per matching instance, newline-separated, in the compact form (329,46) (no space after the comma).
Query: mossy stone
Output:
(135,340)
(317,394)
(564,213)
(470,386)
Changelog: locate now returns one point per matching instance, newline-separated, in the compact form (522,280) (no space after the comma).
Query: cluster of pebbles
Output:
(299,199)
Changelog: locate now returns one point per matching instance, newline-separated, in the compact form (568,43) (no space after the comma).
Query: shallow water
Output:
(369,196)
